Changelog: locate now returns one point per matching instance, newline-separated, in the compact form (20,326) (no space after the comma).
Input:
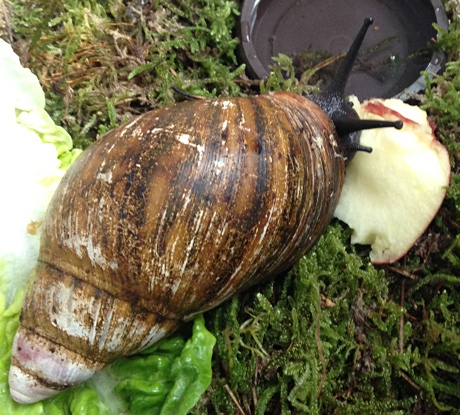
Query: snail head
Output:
(347,123)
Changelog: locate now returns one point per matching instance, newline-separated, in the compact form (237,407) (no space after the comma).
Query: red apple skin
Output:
(378,108)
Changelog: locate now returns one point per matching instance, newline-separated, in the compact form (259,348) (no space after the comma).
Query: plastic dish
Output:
(398,46)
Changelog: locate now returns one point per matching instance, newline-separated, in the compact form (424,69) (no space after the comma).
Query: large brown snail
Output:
(171,214)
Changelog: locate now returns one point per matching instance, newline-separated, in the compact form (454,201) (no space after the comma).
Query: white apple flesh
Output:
(391,195)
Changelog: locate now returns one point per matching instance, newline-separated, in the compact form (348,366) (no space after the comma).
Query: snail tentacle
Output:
(332,101)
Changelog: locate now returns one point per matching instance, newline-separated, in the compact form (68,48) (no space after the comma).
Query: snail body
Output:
(168,216)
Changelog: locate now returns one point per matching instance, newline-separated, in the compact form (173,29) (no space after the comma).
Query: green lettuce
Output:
(166,379)
(169,377)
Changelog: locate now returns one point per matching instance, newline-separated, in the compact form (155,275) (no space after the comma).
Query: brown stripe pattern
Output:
(171,214)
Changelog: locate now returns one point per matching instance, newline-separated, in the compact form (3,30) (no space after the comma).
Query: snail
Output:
(171,214)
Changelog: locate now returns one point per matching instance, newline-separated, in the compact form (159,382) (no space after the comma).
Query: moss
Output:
(335,334)
(103,61)
(334,337)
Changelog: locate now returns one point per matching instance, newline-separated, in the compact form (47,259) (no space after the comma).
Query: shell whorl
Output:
(168,216)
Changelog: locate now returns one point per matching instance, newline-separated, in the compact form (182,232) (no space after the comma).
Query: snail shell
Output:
(165,217)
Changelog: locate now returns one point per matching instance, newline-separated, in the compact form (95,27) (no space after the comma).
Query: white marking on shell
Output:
(94,308)
(107,177)
(187,201)
(335,147)
(66,314)
(224,229)
(95,254)
(198,221)
(62,316)
(139,132)
(165,272)
(243,120)
(102,204)
(219,164)
(77,243)
(113,342)
(264,231)
(127,126)
(177,281)
(160,229)
(156,333)
(209,235)
(185,139)
(237,270)
(110,148)
(105,331)
(156,252)
(227,104)
(318,139)
(70,224)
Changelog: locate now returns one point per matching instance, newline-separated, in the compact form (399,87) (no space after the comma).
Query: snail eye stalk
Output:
(338,86)
(332,101)
(348,126)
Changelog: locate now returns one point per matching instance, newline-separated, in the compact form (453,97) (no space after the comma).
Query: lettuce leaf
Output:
(34,154)
(170,379)
(166,379)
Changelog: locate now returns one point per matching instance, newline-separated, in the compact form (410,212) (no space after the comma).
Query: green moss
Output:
(301,346)
(101,62)
(335,334)
(360,351)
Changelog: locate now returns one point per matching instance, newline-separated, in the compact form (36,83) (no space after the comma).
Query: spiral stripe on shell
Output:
(165,217)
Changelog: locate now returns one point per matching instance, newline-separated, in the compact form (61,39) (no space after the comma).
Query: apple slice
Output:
(391,195)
